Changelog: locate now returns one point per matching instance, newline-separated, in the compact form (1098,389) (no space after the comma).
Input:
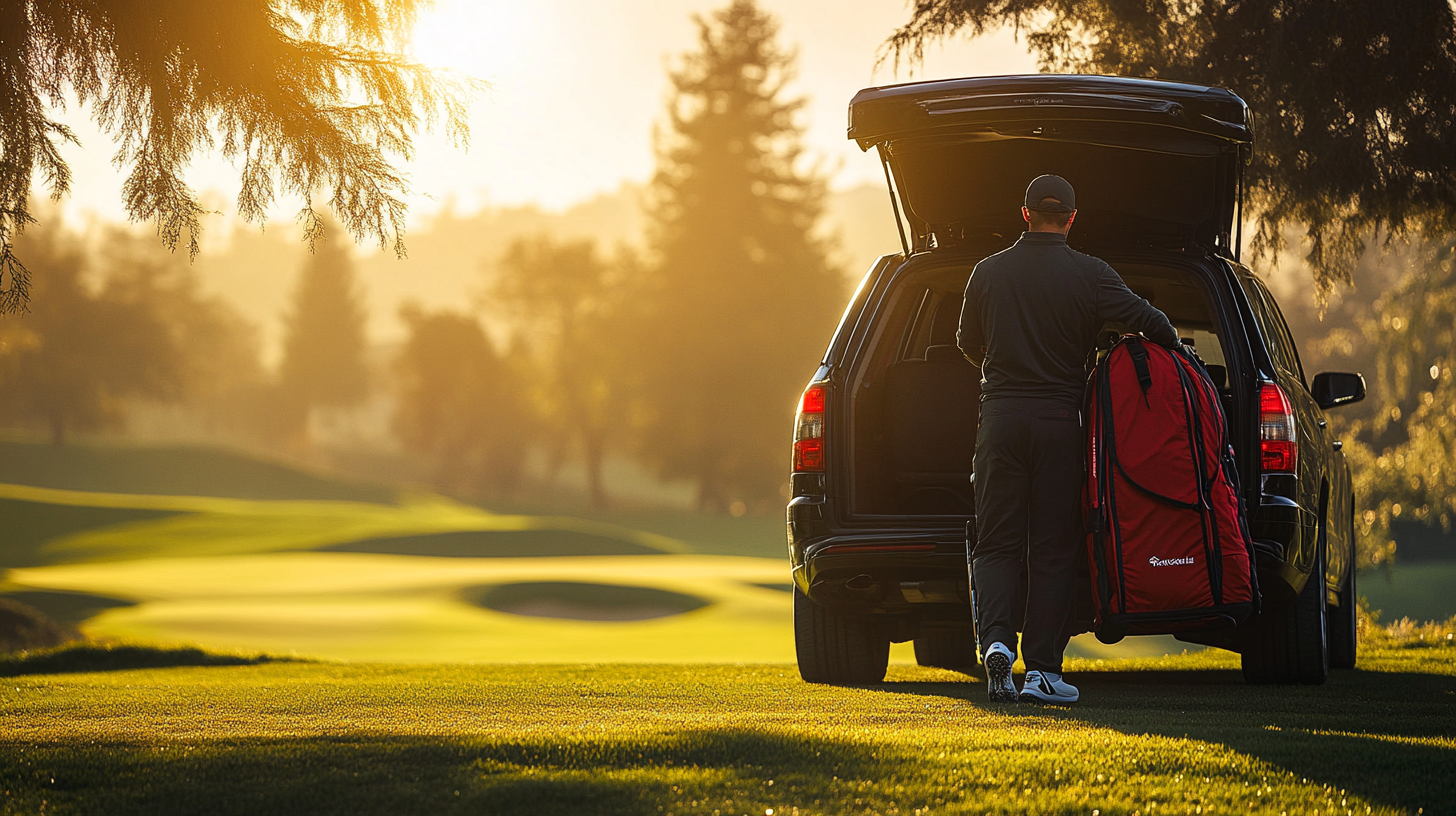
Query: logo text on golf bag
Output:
(1170,562)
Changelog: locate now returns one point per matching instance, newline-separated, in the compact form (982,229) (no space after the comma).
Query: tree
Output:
(1354,101)
(218,350)
(742,294)
(324,350)
(572,309)
(460,404)
(72,363)
(1402,337)
(307,95)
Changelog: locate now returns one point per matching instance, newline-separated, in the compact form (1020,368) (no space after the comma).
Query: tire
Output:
(1344,627)
(835,649)
(1289,643)
(1311,618)
(954,650)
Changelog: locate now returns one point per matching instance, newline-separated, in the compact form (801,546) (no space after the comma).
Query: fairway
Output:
(1177,735)
(357,606)
(400,581)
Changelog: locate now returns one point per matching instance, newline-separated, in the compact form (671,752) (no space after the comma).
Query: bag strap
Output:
(1139,355)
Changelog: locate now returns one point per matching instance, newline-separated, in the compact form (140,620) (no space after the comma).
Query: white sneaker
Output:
(1045,687)
(1002,687)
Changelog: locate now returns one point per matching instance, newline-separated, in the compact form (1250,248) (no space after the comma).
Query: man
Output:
(1031,316)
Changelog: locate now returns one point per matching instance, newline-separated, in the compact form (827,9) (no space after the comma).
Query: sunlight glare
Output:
(487,39)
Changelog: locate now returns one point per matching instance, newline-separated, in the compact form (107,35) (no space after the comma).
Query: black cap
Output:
(1050,187)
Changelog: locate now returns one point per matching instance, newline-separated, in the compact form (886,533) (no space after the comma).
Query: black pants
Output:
(1028,522)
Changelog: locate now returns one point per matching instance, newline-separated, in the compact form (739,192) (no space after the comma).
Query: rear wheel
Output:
(1312,617)
(1344,634)
(836,649)
(1289,642)
(954,650)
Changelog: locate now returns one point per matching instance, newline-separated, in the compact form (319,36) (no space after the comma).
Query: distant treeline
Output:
(686,356)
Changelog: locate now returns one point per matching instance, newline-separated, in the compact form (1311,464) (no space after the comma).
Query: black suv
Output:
(886,430)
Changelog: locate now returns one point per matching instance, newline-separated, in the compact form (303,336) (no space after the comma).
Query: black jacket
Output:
(1036,309)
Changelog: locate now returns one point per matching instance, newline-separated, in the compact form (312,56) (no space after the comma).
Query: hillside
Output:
(450,253)
(175,471)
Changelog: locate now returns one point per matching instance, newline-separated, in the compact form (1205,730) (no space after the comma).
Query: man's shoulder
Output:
(1091,262)
(996,257)
(1009,258)
(994,260)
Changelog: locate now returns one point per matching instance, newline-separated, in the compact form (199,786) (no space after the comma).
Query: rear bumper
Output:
(915,574)
(871,583)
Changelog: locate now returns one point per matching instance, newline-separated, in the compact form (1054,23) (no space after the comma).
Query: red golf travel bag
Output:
(1168,544)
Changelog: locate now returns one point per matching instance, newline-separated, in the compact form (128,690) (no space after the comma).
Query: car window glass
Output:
(1260,308)
(1288,355)
(1206,343)
(1283,328)
(1276,334)
(911,345)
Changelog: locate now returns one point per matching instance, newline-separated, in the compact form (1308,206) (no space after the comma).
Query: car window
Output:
(913,342)
(1271,326)
(1206,343)
(1283,328)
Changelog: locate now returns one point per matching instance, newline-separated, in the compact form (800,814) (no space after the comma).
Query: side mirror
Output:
(1335,388)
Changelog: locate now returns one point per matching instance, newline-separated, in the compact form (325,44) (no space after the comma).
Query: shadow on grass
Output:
(694,772)
(1384,736)
(28,526)
(91,657)
(697,772)
(67,608)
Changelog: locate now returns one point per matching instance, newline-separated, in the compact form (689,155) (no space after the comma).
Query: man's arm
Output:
(1118,304)
(969,337)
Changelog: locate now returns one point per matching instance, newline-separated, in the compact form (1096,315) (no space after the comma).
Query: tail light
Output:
(809,431)
(1278,448)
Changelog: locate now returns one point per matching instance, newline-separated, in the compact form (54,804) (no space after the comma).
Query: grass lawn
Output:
(635,663)
(1175,735)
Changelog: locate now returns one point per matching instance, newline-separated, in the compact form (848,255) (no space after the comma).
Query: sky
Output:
(576,89)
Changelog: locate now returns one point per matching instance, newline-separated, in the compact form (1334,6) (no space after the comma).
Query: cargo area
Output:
(914,398)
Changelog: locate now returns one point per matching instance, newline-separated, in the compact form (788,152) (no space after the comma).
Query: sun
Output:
(482,38)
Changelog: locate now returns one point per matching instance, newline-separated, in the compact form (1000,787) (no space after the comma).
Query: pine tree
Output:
(742,294)
(324,363)
(309,97)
